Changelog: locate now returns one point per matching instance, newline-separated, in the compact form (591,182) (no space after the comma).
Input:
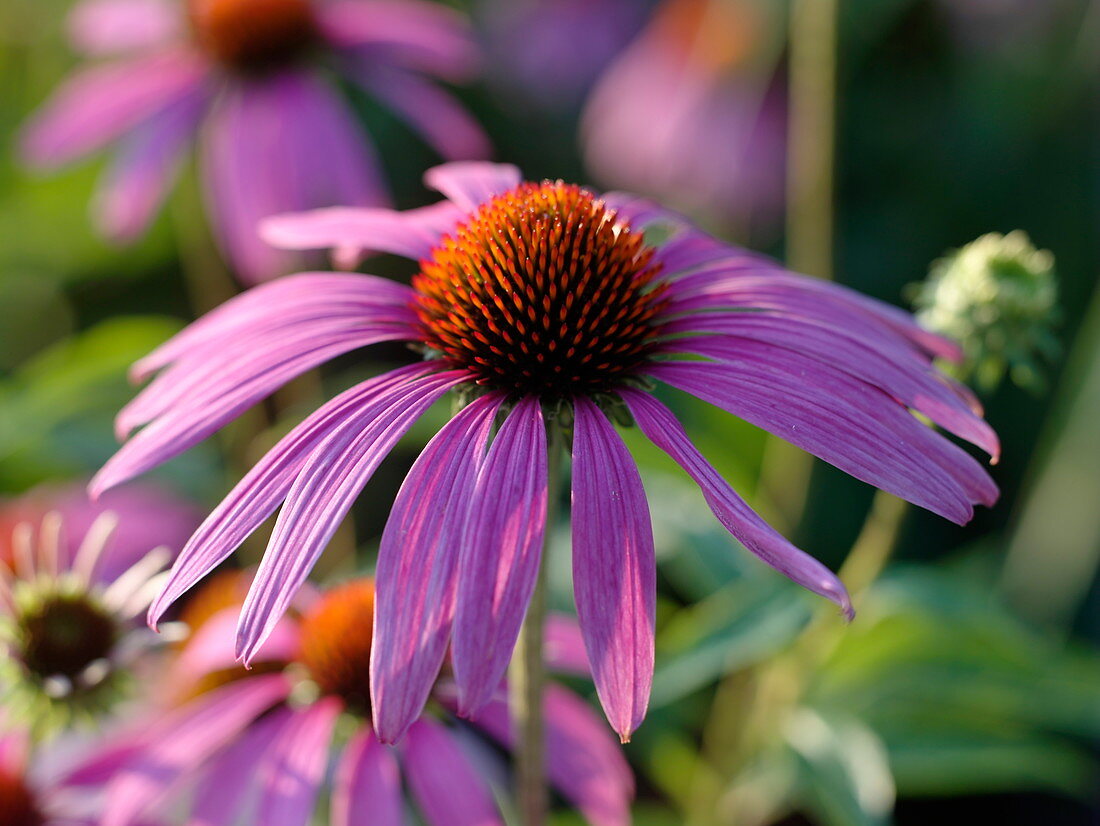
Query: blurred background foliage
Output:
(969,685)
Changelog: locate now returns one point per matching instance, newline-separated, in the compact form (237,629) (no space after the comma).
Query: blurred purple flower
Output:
(551,51)
(259,745)
(147,517)
(250,80)
(537,301)
(694,113)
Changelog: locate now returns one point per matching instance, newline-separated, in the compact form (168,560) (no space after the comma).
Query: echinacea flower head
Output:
(552,311)
(68,636)
(252,82)
(260,745)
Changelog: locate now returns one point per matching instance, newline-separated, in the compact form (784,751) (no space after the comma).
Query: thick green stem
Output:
(527,671)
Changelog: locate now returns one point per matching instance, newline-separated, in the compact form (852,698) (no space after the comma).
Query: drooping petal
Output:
(261,490)
(469,184)
(143,170)
(293,768)
(281,143)
(614,569)
(210,649)
(183,741)
(660,425)
(431,111)
(847,423)
(416,577)
(500,554)
(583,762)
(367,788)
(424,36)
(447,787)
(99,104)
(231,775)
(319,499)
(105,27)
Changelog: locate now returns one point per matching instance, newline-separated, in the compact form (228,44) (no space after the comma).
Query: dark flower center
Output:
(17,804)
(336,640)
(253,34)
(542,290)
(63,635)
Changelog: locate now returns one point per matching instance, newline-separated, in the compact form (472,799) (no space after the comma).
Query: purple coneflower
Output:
(259,745)
(254,78)
(68,636)
(546,307)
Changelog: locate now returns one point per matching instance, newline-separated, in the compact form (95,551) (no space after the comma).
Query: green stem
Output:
(527,673)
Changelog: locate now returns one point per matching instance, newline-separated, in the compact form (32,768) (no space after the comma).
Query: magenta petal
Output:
(500,556)
(469,184)
(563,646)
(183,741)
(431,111)
(99,104)
(104,27)
(210,648)
(416,577)
(367,788)
(230,776)
(614,570)
(448,788)
(275,144)
(659,424)
(145,167)
(291,774)
(583,761)
(259,493)
(319,499)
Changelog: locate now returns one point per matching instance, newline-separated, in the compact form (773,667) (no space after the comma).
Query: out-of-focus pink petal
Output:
(281,143)
(469,184)
(210,649)
(583,761)
(449,790)
(146,164)
(416,577)
(261,490)
(367,788)
(563,645)
(614,569)
(231,775)
(659,424)
(97,105)
(319,499)
(183,741)
(431,111)
(424,36)
(291,773)
(104,27)
(500,554)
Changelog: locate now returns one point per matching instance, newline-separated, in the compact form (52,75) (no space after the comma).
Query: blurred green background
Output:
(969,686)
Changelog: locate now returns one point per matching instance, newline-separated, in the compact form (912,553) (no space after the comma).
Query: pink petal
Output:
(469,184)
(259,493)
(444,782)
(281,143)
(614,570)
(367,788)
(291,774)
(416,577)
(563,646)
(143,170)
(660,425)
(97,105)
(105,27)
(501,553)
(183,741)
(319,499)
(210,649)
